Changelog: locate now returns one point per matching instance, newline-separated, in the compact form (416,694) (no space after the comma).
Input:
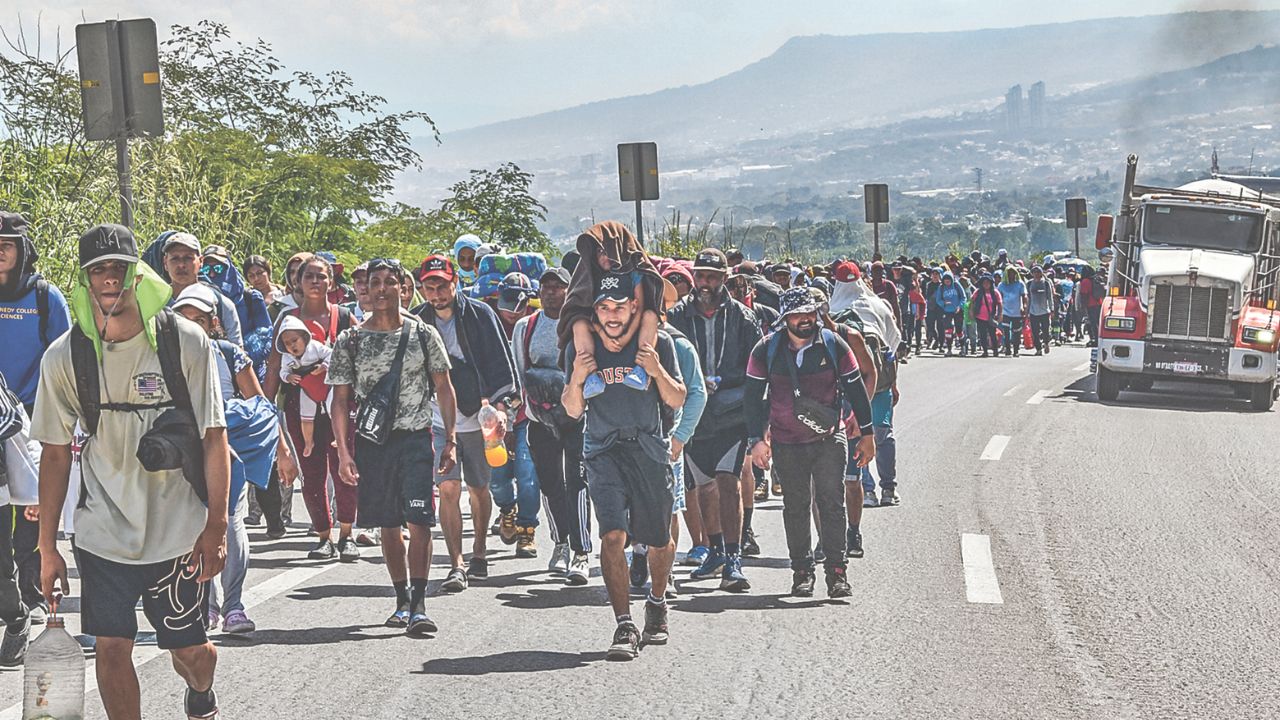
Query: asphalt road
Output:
(1132,547)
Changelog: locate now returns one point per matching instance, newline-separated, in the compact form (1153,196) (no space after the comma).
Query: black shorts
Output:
(722,452)
(396,480)
(172,601)
(631,492)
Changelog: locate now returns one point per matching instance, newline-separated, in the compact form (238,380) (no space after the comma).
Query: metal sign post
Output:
(876,196)
(1077,217)
(120,90)
(638,177)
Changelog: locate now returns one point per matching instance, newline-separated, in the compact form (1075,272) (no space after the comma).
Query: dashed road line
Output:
(1081,367)
(1038,397)
(995,447)
(1012,390)
(980,583)
(256,595)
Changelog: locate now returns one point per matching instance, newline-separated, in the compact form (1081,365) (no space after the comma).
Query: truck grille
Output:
(1182,311)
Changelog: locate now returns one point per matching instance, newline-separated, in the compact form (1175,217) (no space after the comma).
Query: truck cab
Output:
(1192,293)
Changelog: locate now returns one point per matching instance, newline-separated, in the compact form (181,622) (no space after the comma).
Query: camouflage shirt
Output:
(362,357)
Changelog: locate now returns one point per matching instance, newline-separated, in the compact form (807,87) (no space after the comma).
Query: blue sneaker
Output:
(731,577)
(593,386)
(696,556)
(637,379)
(709,567)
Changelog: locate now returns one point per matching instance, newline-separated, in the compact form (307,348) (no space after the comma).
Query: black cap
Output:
(107,242)
(711,259)
(12,225)
(615,286)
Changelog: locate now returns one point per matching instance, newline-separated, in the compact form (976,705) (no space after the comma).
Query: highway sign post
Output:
(1077,217)
(876,196)
(638,177)
(119,63)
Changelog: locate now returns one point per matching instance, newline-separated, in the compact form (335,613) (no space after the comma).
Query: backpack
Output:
(228,350)
(1097,290)
(881,357)
(819,418)
(12,413)
(774,344)
(84,362)
(542,395)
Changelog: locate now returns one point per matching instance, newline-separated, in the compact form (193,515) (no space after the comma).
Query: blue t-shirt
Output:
(21,350)
(1066,289)
(1011,295)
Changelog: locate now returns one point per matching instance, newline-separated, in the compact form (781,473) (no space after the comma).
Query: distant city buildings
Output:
(1013,109)
(1028,115)
(1035,105)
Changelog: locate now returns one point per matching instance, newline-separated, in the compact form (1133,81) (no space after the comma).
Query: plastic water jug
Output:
(54,680)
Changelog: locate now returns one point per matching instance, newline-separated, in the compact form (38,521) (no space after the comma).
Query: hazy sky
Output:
(470,62)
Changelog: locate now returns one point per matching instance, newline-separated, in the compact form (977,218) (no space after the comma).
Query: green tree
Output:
(498,206)
(254,157)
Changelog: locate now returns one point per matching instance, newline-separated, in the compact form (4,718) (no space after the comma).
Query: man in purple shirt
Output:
(810,373)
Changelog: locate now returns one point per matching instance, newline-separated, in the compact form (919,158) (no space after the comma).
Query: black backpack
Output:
(84,362)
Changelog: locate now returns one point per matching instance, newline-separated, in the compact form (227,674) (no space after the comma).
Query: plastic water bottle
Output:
(493,425)
(54,680)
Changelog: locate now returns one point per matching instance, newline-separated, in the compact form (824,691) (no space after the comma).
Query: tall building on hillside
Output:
(1013,109)
(1035,106)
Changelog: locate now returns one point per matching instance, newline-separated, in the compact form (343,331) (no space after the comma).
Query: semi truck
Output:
(1191,291)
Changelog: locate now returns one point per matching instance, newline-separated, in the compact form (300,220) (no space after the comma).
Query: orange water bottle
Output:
(493,425)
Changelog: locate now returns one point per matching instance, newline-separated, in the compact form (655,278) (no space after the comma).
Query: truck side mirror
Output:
(1105,225)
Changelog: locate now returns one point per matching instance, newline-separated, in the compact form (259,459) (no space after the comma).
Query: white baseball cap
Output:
(199,296)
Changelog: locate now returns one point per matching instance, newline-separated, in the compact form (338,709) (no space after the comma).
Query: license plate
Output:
(1186,368)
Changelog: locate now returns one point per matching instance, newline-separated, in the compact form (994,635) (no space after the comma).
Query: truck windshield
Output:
(1201,227)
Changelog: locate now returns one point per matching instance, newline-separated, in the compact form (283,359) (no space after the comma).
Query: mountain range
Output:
(817,83)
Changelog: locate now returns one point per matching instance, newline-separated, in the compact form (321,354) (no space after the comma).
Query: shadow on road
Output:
(516,661)
(720,602)
(1187,396)
(552,598)
(306,636)
(325,592)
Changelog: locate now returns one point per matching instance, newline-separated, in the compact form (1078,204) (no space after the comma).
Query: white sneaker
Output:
(559,563)
(579,570)
(369,538)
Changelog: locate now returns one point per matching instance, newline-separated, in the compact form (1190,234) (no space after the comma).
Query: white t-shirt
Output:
(130,515)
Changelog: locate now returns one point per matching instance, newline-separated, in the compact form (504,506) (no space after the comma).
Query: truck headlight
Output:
(1121,323)
(1258,336)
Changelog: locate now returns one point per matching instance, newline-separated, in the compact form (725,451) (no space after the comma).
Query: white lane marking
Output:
(1012,390)
(980,584)
(995,447)
(256,595)
(1038,397)
(1081,367)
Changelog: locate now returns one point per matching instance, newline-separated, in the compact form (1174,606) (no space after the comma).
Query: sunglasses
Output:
(383,264)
